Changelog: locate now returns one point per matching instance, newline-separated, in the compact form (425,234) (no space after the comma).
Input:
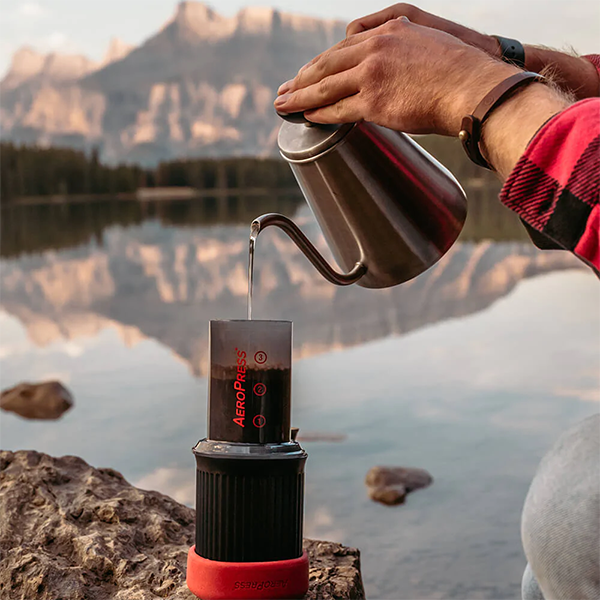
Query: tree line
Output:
(34,171)
(33,228)
(254,186)
(29,171)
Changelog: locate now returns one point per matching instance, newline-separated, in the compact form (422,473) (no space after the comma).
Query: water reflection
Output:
(29,228)
(118,308)
(34,227)
(153,279)
(475,401)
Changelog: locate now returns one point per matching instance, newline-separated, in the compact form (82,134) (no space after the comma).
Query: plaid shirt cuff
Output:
(555,186)
(595,60)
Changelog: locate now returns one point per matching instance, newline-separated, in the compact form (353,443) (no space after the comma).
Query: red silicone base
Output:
(215,580)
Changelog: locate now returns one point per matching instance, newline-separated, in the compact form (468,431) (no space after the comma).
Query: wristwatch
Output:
(512,51)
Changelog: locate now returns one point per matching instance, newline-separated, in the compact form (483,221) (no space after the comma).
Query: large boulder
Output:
(46,400)
(70,531)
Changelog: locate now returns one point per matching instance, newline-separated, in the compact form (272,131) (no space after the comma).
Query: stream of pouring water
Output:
(254,229)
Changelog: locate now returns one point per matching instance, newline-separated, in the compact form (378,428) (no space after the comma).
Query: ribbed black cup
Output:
(248,508)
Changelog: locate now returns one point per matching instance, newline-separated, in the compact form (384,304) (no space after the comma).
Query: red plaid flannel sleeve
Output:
(594,59)
(555,186)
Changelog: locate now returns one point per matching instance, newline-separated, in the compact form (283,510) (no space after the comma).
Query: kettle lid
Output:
(303,140)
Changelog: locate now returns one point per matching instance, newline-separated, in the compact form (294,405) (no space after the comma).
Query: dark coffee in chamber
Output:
(254,404)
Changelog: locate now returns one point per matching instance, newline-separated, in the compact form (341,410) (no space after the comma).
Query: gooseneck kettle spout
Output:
(307,248)
(387,209)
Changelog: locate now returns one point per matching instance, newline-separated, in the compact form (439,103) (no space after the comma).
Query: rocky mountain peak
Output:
(178,93)
(201,20)
(64,67)
(255,19)
(26,63)
(117,49)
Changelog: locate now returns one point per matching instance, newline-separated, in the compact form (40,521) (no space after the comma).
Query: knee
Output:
(530,590)
(560,526)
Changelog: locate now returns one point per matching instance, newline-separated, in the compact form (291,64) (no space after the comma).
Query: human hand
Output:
(575,75)
(400,75)
(487,43)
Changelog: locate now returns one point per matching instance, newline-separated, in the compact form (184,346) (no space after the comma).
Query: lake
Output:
(469,371)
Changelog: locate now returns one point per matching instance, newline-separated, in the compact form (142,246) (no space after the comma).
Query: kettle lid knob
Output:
(299,139)
(297,117)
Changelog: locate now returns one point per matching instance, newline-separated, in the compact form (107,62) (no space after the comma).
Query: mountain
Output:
(165,283)
(33,69)
(203,85)
(117,50)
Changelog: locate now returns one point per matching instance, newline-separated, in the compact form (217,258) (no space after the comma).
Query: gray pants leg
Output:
(560,526)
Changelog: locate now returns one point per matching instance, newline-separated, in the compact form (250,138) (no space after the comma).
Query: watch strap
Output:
(512,51)
(470,129)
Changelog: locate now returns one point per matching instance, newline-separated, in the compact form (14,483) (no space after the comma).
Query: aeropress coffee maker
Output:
(250,471)
(388,211)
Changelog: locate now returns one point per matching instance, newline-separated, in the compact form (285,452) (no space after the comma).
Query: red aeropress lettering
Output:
(249,471)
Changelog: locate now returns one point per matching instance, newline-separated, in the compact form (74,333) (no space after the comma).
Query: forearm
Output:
(545,147)
(573,74)
(510,126)
(414,79)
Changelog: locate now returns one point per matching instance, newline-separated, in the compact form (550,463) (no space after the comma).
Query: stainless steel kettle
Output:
(387,208)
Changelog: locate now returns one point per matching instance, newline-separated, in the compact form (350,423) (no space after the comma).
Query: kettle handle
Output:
(305,245)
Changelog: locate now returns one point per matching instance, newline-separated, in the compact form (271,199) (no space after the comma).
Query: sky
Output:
(86,27)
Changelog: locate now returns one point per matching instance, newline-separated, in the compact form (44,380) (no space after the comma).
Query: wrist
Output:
(534,60)
(480,79)
(492,46)
(573,74)
(513,124)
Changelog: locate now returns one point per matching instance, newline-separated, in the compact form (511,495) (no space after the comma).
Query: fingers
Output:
(421,17)
(346,110)
(327,91)
(329,63)
(337,58)
(381,17)
(371,21)
(321,61)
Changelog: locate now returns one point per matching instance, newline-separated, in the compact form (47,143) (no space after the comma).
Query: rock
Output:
(47,400)
(391,495)
(411,479)
(71,531)
(334,572)
(389,485)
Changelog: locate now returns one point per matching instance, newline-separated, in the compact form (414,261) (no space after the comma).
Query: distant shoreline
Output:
(174,193)
(148,195)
